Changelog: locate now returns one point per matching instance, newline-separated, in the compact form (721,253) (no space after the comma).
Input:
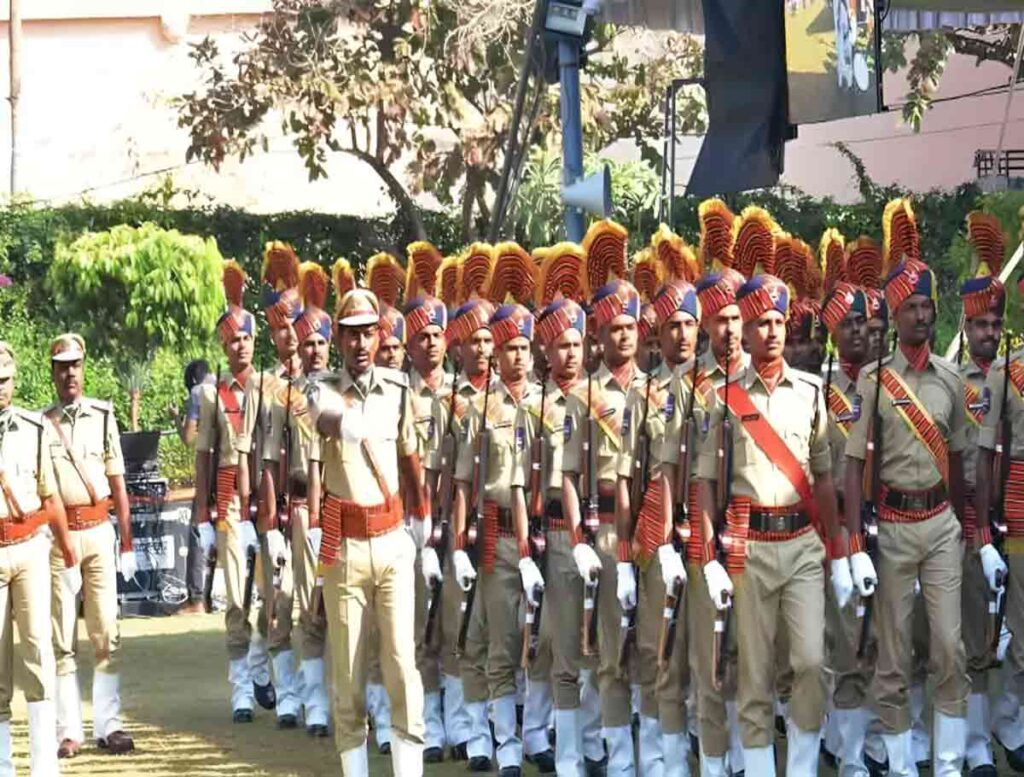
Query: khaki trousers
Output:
(712,717)
(612,682)
(311,624)
(25,602)
(929,551)
(279,600)
(448,619)
(494,639)
(782,587)
(231,559)
(428,656)
(561,620)
(1015,617)
(373,579)
(852,676)
(540,668)
(977,623)
(96,549)
(662,691)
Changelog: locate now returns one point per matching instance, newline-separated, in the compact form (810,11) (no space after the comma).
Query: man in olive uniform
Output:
(224,525)
(921,408)
(506,568)
(614,313)
(464,681)
(30,501)
(90,477)
(781,498)
(664,743)
(364,421)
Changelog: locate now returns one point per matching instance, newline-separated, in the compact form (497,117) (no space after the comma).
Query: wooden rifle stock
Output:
(997,512)
(591,523)
(723,618)
(539,467)
(211,498)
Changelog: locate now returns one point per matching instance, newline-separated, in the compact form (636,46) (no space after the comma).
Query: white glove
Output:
(865,578)
(247,535)
(842,582)
(625,585)
(207,537)
(672,568)
(71,579)
(276,549)
(431,567)
(719,584)
(129,565)
(533,583)
(313,537)
(464,572)
(587,562)
(419,530)
(993,565)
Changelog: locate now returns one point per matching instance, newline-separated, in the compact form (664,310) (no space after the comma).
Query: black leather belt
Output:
(505,519)
(553,509)
(915,501)
(606,504)
(297,488)
(772,521)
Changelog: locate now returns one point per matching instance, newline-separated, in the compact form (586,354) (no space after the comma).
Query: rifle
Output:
(254,499)
(997,606)
(211,498)
(723,618)
(283,499)
(539,465)
(591,524)
(440,531)
(476,514)
(869,506)
(680,525)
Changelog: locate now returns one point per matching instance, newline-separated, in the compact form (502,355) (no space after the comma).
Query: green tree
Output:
(133,290)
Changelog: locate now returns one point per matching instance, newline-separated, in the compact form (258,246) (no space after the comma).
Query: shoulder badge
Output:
(520,439)
(627,417)
(567,427)
(669,408)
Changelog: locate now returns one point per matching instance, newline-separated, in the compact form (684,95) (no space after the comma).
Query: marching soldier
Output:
(31,500)
(919,401)
(664,741)
(614,314)
(506,568)
(464,680)
(774,421)
(364,421)
(89,468)
(222,518)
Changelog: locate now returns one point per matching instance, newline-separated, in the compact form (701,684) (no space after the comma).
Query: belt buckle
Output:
(780,523)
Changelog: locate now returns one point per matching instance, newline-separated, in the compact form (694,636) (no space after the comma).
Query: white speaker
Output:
(592,194)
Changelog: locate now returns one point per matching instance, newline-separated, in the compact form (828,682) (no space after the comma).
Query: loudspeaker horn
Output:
(592,194)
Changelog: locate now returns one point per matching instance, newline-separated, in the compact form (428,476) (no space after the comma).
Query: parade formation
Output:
(604,514)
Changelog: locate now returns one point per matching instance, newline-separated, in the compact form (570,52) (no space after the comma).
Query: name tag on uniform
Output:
(750,417)
(903,402)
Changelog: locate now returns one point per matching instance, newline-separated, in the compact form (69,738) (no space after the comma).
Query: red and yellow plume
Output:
(716,234)
(754,242)
(678,262)
(234,282)
(385,278)
(514,275)
(647,274)
(790,265)
(313,285)
(985,234)
(421,276)
(864,263)
(447,289)
(832,256)
(475,270)
(605,245)
(280,266)
(899,234)
(814,279)
(343,277)
(561,272)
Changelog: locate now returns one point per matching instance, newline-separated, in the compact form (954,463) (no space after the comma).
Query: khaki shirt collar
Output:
(971,369)
(750,376)
(348,383)
(419,385)
(604,378)
(899,363)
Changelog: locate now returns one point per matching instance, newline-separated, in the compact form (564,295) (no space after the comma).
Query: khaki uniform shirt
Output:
(988,435)
(796,411)
(528,426)
(839,426)
(25,440)
(976,408)
(423,399)
(221,428)
(660,406)
(442,420)
(907,463)
(273,382)
(505,443)
(299,423)
(373,417)
(710,366)
(608,404)
(676,417)
(83,427)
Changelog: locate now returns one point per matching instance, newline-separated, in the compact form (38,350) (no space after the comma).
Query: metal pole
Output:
(672,149)
(663,205)
(1009,103)
(572,132)
(14,47)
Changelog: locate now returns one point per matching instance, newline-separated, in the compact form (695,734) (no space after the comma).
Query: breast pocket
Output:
(799,442)
(939,405)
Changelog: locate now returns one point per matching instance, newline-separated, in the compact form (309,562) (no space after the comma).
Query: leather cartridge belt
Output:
(361,522)
(502,520)
(780,520)
(15,532)
(925,501)
(81,517)
(555,519)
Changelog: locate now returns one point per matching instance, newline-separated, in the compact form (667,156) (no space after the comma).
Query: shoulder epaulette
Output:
(872,365)
(397,377)
(103,405)
(810,378)
(29,415)
(945,364)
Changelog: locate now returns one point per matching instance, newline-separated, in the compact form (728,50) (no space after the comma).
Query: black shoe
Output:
(384,749)
(433,755)
(519,715)
(287,721)
(596,768)
(988,770)
(241,716)
(828,757)
(510,771)
(479,763)
(1014,758)
(875,769)
(266,697)
(780,726)
(459,752)
(545,761)
(317,730)
(695,746)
